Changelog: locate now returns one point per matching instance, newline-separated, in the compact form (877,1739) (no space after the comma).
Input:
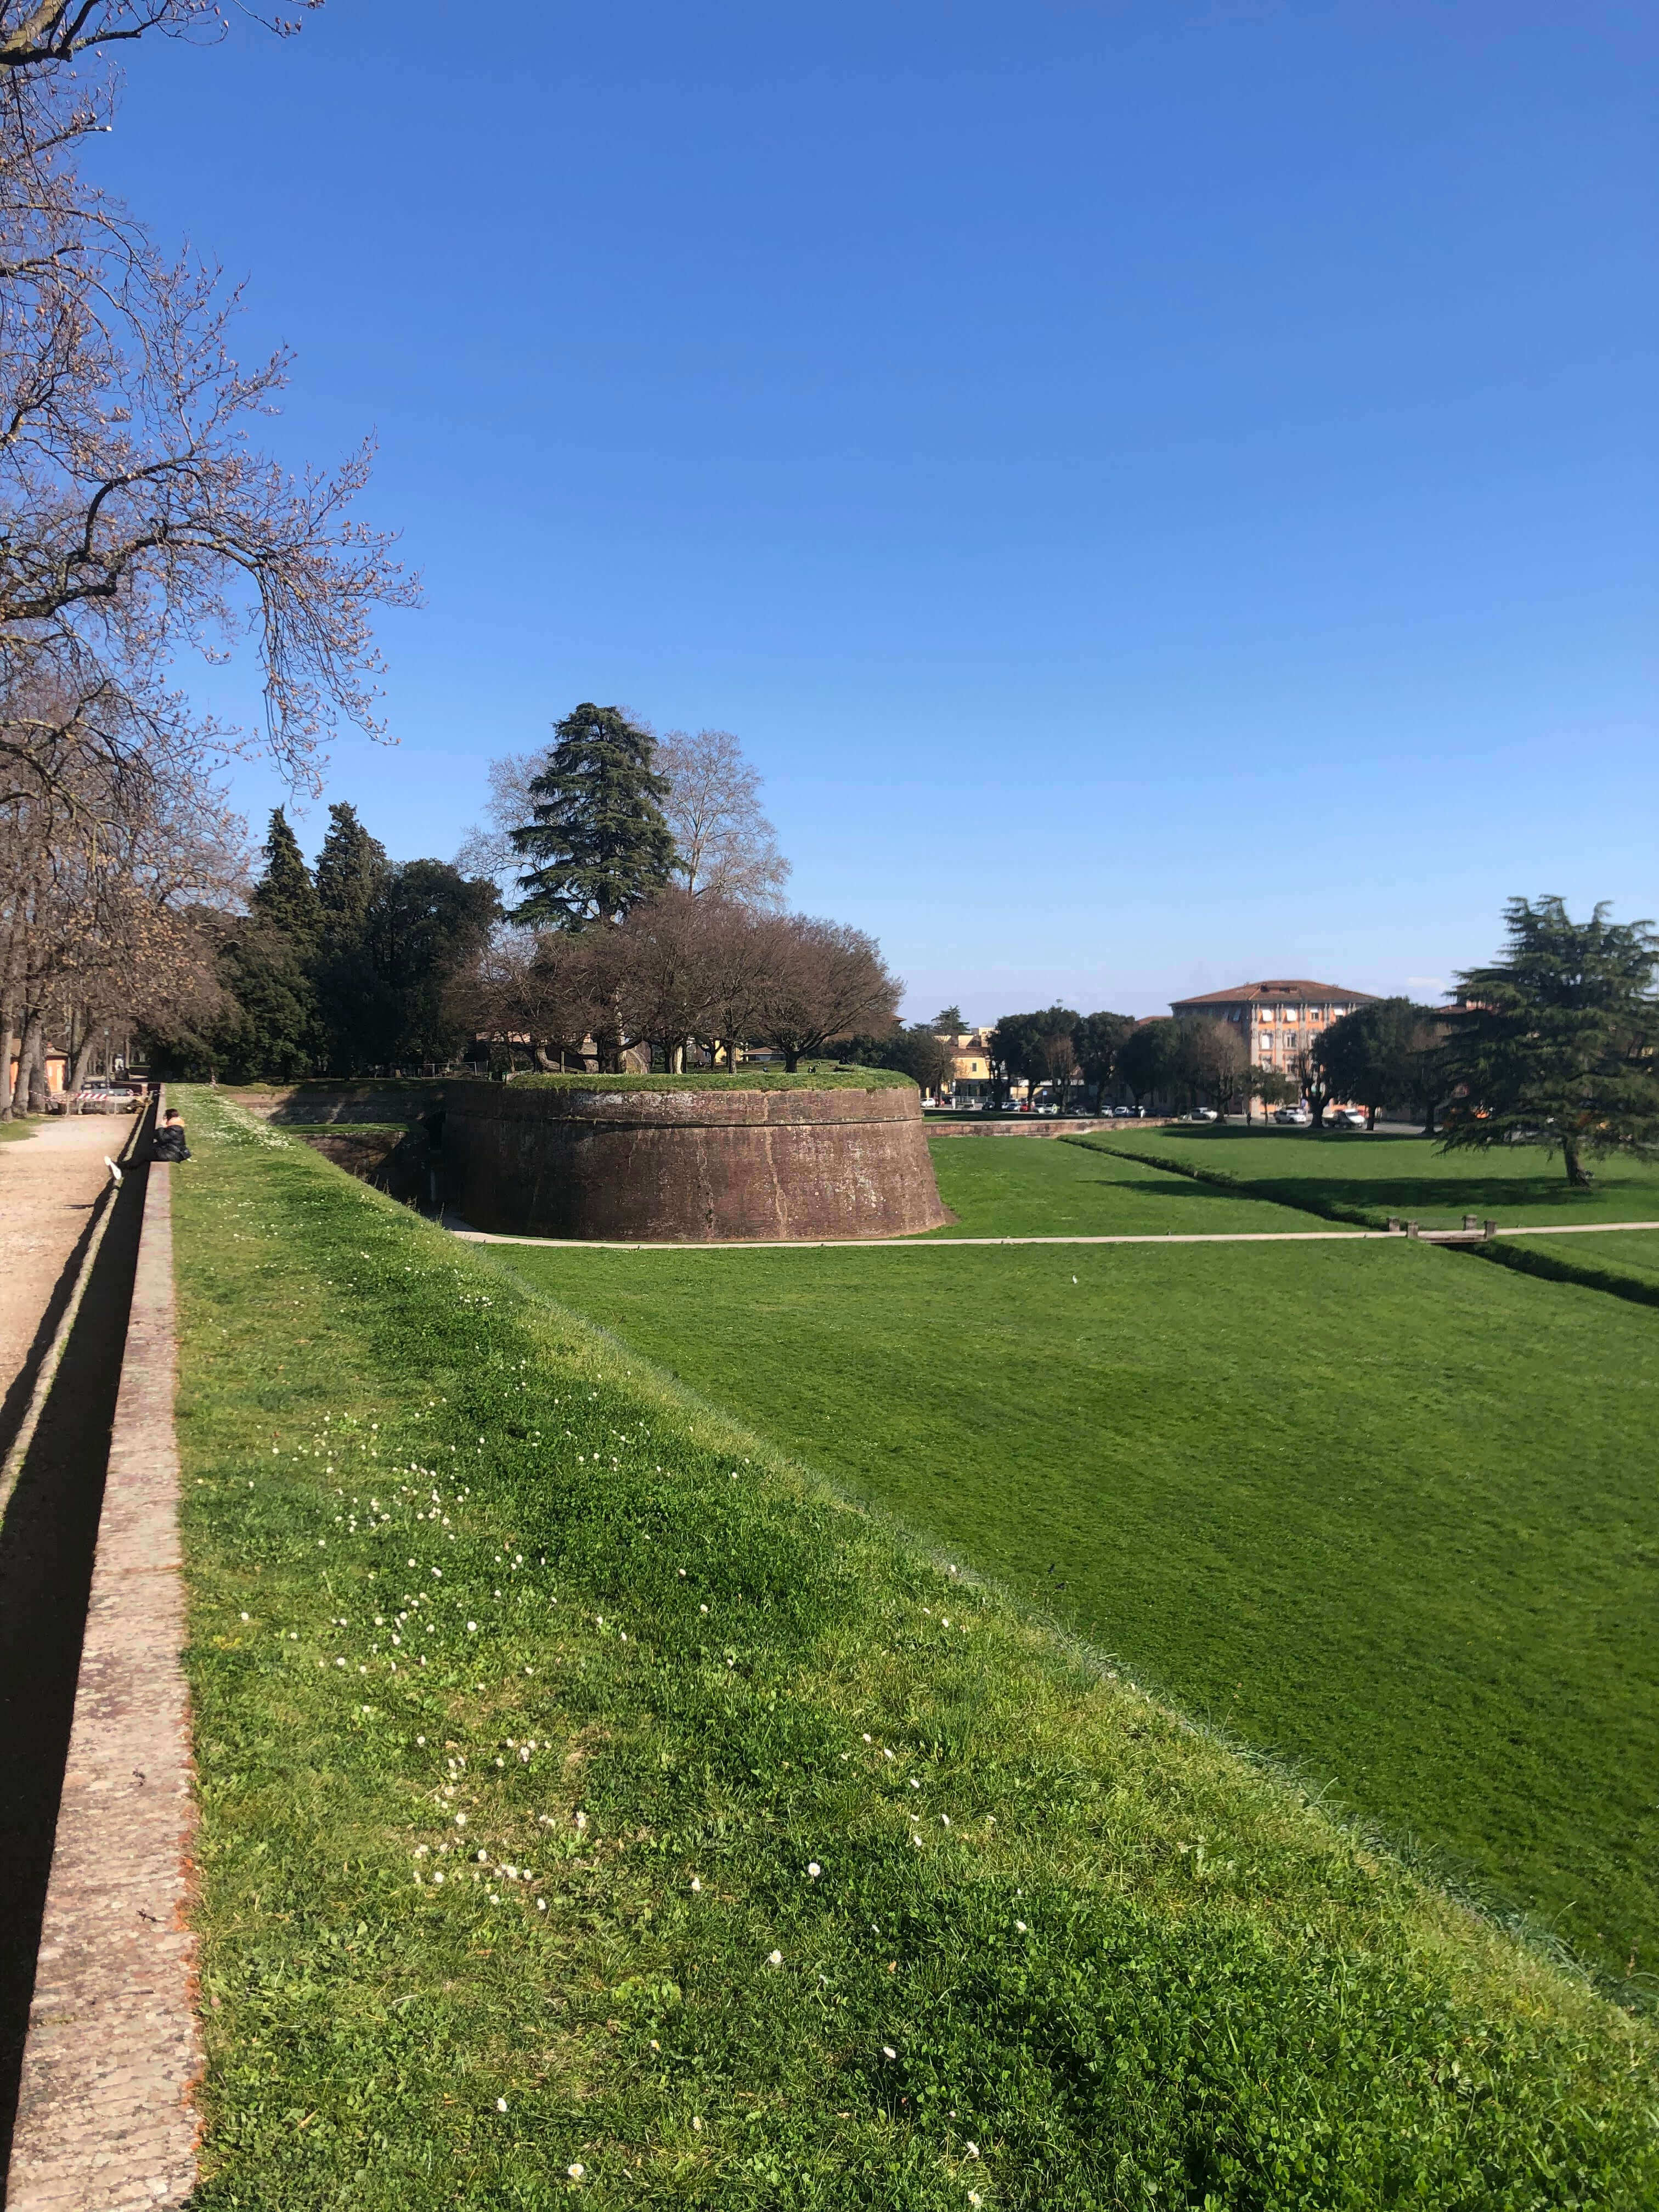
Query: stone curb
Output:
(105,2119)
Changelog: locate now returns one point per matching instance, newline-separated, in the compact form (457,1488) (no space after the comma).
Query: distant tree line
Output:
(340,970)
(639,922)
(1555,1043)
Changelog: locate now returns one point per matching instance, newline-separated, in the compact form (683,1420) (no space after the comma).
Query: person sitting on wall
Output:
(168,1143)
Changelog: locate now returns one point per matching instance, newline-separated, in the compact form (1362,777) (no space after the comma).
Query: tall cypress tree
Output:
(265,963)
(285,897)
(352,870)
(598,844)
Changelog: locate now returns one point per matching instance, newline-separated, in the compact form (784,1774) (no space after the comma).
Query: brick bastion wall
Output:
(692,1166)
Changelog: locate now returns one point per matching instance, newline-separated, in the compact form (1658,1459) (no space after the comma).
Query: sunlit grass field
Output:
(1380,1509)
(1009,1186)
(1633,1256)
(1411,1176)
(593,1808)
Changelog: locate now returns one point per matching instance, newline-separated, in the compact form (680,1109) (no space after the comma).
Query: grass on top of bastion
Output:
(594,1805)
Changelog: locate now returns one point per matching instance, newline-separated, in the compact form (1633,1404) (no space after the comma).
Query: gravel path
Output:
(49,1183)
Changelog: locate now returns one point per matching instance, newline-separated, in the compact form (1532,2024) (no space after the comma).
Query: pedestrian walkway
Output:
(459,1228)
(49,1185)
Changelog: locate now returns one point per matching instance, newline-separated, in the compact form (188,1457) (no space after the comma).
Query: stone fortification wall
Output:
(689,1166)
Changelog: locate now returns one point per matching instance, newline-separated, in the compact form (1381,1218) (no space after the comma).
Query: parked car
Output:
(1345,1117)
(1292,1117)
(1203,1114)
(1123,1113)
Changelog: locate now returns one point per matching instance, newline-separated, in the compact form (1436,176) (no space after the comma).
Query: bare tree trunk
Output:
(31,1068)
(82,1061)
(11,992)
(1577,1178)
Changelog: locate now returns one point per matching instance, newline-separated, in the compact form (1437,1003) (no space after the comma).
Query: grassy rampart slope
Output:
(778,1869)
(1380,1509)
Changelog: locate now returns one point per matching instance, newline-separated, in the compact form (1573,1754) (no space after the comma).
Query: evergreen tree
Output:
(1148,1060)
(1377,1055)
(352,869)
(598,843)
(271,1033)
(1038,1047)
(1097,1038)
(265,964)
(427,923)
(285,899)
(1560,1040)
(923,1056)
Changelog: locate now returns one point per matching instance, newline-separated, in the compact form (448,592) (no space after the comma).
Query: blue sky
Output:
(1165,493)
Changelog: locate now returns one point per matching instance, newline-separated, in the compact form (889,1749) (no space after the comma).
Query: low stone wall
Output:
(1035,1125)
(692,1166)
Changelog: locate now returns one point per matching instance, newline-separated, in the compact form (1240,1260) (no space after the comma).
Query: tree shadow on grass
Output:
(1380,1193)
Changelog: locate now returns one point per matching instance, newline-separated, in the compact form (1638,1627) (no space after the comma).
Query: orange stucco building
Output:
(1278,1018)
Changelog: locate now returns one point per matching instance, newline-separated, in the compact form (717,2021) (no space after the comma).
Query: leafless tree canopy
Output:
(682,973)
(137,517)
(111,877)
(725,842)
(488,849)
(35,33)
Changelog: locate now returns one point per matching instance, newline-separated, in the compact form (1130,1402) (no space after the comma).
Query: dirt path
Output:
(457,1228)
(49,1183)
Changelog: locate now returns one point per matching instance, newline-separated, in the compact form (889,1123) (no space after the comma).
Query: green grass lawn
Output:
(1040,1186)
(1407,1175)
(1627,1264)
(9,1131)
(1384,1510)
(590,1805)
(1634,1254)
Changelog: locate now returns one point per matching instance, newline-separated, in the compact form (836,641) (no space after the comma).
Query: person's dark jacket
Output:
(168,1143)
